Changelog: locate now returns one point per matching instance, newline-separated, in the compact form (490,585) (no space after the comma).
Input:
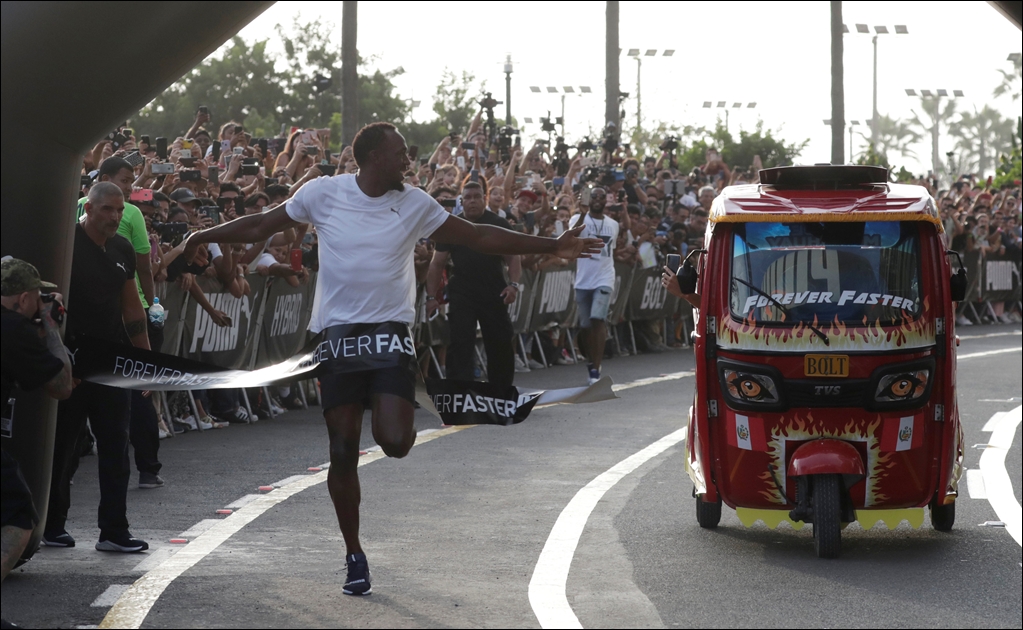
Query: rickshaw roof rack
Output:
(823,177)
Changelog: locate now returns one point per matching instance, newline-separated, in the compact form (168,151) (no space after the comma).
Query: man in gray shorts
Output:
(595,280)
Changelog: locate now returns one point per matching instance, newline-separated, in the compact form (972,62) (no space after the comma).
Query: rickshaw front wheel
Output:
(827,515)
(943,517)
(708,515)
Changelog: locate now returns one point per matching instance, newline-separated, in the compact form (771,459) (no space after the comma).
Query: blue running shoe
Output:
(358,575)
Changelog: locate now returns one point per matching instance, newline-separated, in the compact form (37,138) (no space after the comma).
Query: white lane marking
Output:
(974,355)
(242,502)
(547,594)
(199,528)
(134,605)
(674,376)
(1000,495)
(154,559)
(287,480)
(109,597)
(1014,333)
(975,483)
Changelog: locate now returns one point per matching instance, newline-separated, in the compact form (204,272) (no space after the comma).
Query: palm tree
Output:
(935,117)
(981,136)
(1011,80)
(894,137)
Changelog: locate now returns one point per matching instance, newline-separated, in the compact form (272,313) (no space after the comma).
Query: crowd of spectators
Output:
(211,174)
(982,223)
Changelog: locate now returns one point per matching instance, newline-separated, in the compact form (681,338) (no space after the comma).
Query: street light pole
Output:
(863,29)
(873,119)
(639,98)
(612,85)
(507,90)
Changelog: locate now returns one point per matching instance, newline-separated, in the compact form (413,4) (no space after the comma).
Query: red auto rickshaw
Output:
(825,355)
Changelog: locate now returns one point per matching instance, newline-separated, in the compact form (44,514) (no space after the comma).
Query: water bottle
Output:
(157,314)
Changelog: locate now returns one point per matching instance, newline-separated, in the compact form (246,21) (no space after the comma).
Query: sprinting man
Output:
(368,225)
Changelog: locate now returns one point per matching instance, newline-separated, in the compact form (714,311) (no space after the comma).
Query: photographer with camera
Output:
(595,278)
(477,292)
(634,193)
(33,356)
(106,307)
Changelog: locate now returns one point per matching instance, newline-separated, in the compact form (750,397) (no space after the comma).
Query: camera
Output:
(560,160)
(601,175)
(248,169)
(328,170)
(670,143)
(488,101)
(163,169)
(212,212)
(610,141)
(56,308)
(170,231)
(505,140)
(190,175)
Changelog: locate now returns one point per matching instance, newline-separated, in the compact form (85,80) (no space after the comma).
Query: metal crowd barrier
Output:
(992,278)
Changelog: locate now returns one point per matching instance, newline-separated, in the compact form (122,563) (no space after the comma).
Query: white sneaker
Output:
(535,365)
(189,422)
(520,366)
(565,358)
(962,321)
(164,435)
(1004,318)
(277,409)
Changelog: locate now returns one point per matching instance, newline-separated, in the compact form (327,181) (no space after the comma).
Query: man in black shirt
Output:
(33,356)
(103,304)
(477,292)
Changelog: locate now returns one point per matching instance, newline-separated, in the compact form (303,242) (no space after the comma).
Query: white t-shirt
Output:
(366,246)
(598,270)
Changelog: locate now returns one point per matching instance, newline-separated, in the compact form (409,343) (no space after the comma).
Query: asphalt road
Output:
(454,531)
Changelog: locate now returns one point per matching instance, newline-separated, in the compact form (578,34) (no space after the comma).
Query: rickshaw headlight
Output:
(749,388)
(902,386)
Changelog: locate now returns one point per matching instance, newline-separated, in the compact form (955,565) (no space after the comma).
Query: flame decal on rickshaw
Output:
(748,334)
(878,464)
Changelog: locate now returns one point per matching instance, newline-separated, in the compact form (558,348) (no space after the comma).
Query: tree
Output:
(894,137)
(739,154)
(981,137)
(1011,81)
(243,83)
(935,117)
(455,103)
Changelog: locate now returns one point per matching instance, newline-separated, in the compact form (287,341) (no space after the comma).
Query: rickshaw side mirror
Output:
(687,274)
(687,277)
(958,283)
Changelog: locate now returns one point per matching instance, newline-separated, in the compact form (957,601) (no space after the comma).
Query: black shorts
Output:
(356,387)
(17,507)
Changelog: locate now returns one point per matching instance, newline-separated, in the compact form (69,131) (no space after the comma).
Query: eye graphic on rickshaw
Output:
(750,388)
(902,387)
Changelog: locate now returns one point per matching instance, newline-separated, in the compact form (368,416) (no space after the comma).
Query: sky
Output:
(774,54)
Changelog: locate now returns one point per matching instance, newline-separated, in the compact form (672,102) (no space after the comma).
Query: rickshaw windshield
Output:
(858,273)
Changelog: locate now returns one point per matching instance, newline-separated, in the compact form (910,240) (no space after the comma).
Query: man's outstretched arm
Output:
(250,229)
(490,239)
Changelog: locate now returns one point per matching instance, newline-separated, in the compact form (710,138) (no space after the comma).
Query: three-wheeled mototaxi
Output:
(825,355)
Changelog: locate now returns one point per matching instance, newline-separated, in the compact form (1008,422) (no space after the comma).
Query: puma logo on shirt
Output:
(395,212)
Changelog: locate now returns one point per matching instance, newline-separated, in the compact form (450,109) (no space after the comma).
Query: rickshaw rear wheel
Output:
(708,515)
(943,517)
(827,515)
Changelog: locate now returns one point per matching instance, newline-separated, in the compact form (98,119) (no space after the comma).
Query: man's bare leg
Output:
(392,429)
(344,427)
